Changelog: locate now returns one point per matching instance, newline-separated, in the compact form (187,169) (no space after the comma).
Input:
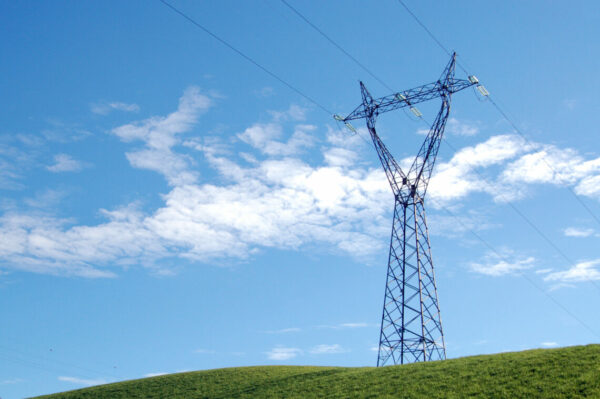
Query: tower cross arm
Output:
(409,98)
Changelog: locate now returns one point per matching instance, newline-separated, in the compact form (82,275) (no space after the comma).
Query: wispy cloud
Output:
(582,271)
(327,349)
(344,326)
(155,374)
(549,344)
(267,196)
(82,381)
(11,381)
(496,265)
(284,330)
(456,127)
(65,163)
(283,353)
(160,135)
(461,128)
(105,108)
(578,232)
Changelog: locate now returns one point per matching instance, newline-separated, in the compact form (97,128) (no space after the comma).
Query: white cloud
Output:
(160,135)
(65,163)
(354,325)
(327,349)
(82,381)
(549,344)
(499,265)
(455,127)
(459,128)
(270,198)
(344,326)
(11,381)
(283,330)
(578,232)
(263,137)
(458,178)
(582,271)
(106,108)
(543,271)
(277,202)
(589,186)
(283,353)
(294,113)
(155,374)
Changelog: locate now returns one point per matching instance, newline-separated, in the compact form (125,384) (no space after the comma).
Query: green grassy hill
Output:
(572,372)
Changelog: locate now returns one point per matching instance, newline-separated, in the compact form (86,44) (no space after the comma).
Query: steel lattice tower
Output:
(411,325)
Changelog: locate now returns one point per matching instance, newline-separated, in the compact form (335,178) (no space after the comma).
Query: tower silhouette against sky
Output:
(411,324)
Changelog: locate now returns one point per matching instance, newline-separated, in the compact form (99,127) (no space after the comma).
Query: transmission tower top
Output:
(414,183)
(444,86)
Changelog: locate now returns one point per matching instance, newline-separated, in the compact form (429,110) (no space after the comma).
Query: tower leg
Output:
(411,327)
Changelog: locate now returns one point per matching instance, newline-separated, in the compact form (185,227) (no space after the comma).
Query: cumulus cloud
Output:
(65,163)
(497,265)
(280,201)
(283,353)
(463,174)
(266,196)
(582,271)
(505,166)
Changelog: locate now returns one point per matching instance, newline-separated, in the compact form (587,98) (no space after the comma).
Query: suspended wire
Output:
(526,219)
(521,214)
(543,158)
(512,124)
(246,57)
(527,278)
(357,62)
(518,131)
(431,35)
(42,361)
(329,112)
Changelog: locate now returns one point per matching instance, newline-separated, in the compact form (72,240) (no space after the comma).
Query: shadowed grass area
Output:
(572,372)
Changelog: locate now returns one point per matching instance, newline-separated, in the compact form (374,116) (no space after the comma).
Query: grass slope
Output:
(572,372)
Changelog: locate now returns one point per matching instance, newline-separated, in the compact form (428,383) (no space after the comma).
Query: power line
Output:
(527,220)
(298,91)
(529,280)
(520,133)
(504,114)
(246,57)
(357,62)
(514,207)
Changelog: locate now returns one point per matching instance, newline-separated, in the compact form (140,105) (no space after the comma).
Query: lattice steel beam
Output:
(411,324)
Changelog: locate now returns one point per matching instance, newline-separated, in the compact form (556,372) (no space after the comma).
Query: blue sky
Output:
(166,205)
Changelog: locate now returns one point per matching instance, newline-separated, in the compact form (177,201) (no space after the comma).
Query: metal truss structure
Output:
(411,325)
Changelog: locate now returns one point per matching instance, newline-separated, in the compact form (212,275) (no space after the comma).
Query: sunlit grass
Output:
(572,372)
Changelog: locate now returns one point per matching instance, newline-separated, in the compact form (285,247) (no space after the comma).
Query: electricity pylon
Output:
(411,325)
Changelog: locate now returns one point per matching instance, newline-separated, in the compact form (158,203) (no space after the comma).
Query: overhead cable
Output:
(504,114)
(246,57)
